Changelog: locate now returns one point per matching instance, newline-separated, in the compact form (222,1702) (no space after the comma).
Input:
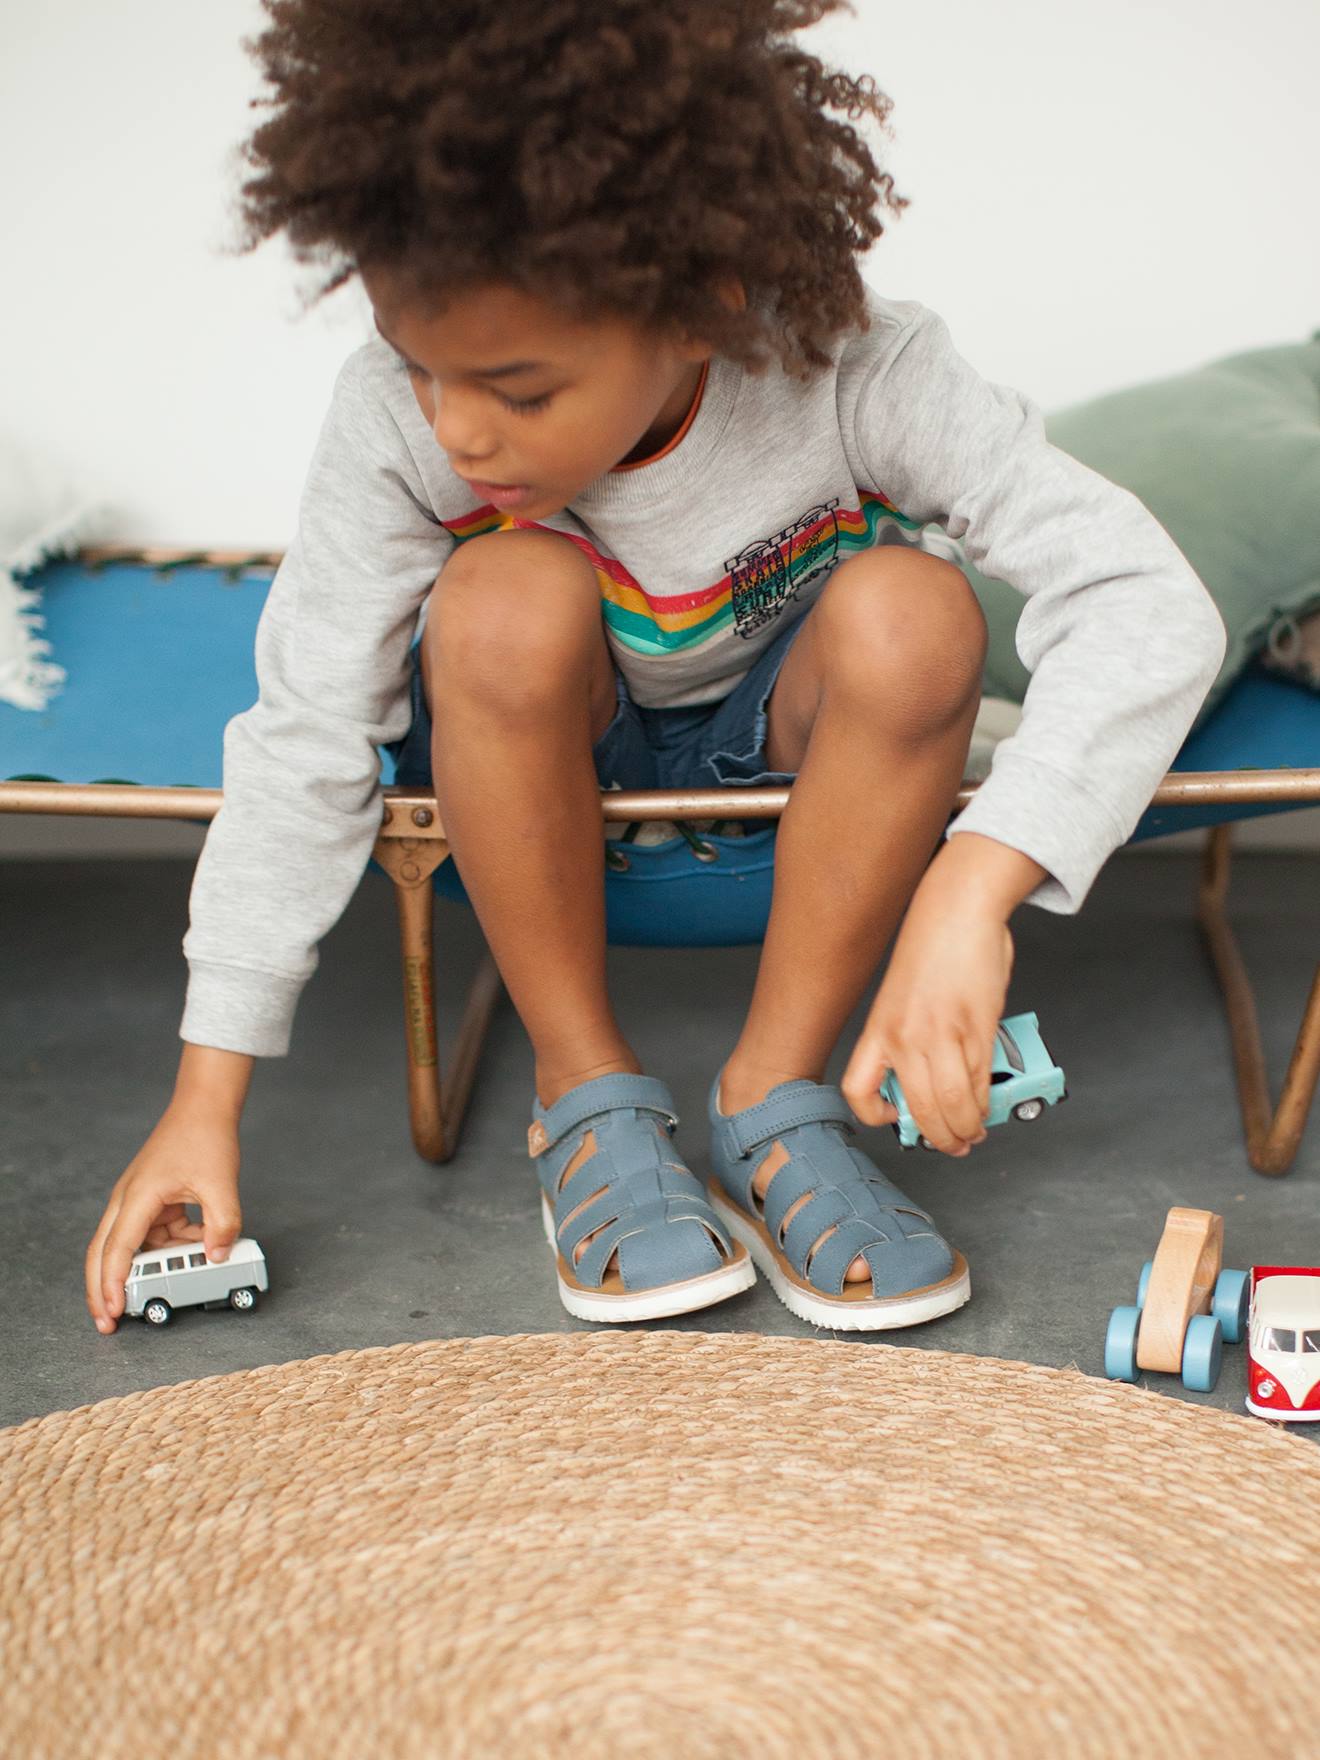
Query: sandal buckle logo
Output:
(537,1141)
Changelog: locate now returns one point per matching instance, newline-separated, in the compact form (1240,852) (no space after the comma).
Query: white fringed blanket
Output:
(42,514)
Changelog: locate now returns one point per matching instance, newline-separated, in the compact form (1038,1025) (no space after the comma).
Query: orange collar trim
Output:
(637,463)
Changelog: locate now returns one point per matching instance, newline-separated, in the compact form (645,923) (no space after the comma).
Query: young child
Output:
(643,464)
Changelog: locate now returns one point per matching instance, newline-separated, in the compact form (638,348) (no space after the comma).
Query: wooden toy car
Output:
(1187,1305)
(1024,1080)
(1283,1343)
(162,1279)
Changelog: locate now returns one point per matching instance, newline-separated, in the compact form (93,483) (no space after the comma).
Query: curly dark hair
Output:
(612,157)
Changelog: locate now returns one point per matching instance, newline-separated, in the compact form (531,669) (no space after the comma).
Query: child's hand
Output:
(933,1020)
(192,1157)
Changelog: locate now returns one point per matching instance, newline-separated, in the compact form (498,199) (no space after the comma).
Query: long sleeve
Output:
(1119,634)
(302,792)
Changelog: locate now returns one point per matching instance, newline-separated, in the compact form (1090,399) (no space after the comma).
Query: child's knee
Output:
(512,612)
(908,631)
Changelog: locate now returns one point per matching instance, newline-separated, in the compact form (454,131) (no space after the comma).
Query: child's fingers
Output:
(868,1066)
(953,1098)
(172,1224)
(919,1083)
(125,1237)
(92,1261)
(224,1224)
(976,1052)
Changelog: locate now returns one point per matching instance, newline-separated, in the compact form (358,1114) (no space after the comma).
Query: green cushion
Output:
(1227,458)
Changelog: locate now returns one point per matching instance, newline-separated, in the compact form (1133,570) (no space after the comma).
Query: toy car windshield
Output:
(1011,1051)
(1278,1338)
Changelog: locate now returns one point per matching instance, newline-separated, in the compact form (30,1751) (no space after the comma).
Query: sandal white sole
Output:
(869,1314)
(648,1304)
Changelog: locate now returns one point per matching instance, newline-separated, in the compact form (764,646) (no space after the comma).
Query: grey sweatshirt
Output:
(700,553)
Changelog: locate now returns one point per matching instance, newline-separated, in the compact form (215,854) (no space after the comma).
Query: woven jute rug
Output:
(658,1544)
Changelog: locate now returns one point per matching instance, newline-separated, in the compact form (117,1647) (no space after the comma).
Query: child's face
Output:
(596,394)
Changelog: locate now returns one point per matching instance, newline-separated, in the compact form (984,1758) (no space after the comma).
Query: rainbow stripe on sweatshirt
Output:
(650,623)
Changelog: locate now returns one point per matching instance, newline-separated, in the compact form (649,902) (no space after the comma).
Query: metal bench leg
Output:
(1272,1137)
(435,1109)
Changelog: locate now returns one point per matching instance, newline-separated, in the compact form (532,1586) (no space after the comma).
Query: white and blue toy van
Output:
(162,1279)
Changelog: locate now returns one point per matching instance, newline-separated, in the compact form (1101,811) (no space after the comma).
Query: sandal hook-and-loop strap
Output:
(817,1105)
(580,1103)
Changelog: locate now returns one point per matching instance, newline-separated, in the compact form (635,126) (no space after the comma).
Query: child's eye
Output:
(528,405)
(523,408)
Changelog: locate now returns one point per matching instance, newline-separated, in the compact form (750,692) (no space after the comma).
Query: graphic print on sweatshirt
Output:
(765,575)
(759,581)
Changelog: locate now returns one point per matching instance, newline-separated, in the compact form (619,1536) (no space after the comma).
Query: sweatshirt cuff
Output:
(238,1008)
(1050,818)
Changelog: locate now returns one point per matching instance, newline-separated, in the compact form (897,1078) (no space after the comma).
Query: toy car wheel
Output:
(243,1298)
(1028,1110)
(157,1313)
(1230,1302)
(1203,1350)
(926,1143)
(1121,1344)
(898,1133)
(1143,1283)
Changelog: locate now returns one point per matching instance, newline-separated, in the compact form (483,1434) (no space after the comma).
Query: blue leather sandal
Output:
(915,1274)
(674,1253)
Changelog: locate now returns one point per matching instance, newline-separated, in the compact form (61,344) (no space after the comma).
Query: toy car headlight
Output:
(1265,1387)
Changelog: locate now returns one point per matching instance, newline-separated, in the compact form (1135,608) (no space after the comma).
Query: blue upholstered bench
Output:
(159,656)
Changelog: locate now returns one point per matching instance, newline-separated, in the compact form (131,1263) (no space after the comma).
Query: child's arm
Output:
(301,807)
(1118,632)
(302,791)
(213,1081)
(1122,640)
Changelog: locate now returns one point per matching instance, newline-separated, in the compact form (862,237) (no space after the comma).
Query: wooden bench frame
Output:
(412,845)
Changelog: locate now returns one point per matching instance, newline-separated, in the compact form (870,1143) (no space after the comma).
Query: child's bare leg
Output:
(873,709)
(520,685)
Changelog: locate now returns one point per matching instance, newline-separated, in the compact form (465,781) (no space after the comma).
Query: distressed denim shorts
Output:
(707,745)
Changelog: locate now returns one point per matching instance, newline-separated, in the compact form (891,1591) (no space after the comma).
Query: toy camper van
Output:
(1283,1344)
(180,1275)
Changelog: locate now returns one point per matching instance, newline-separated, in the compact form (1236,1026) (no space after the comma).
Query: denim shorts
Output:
(707,745)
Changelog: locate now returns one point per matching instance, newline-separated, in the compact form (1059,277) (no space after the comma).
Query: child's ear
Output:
(732,292)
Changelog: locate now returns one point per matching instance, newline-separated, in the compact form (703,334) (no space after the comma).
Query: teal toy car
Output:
(1024,1080)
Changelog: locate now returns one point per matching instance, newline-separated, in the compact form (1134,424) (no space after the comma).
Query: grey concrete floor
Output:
(368,1245)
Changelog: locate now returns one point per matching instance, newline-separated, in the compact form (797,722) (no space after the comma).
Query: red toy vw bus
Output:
(1283,1343)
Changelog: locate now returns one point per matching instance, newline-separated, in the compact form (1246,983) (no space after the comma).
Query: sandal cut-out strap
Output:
(620,1088)
(650,1235)
(623,1156)
(870,1218)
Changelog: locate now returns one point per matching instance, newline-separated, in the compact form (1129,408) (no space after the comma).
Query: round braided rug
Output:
(655,1544)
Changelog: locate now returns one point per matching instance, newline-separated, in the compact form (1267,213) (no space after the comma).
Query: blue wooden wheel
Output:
(1203,1349)
(1143,1283)
(1121,1344)
(1230,1302)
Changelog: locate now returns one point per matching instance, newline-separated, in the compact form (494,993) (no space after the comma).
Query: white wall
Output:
(1101,192)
